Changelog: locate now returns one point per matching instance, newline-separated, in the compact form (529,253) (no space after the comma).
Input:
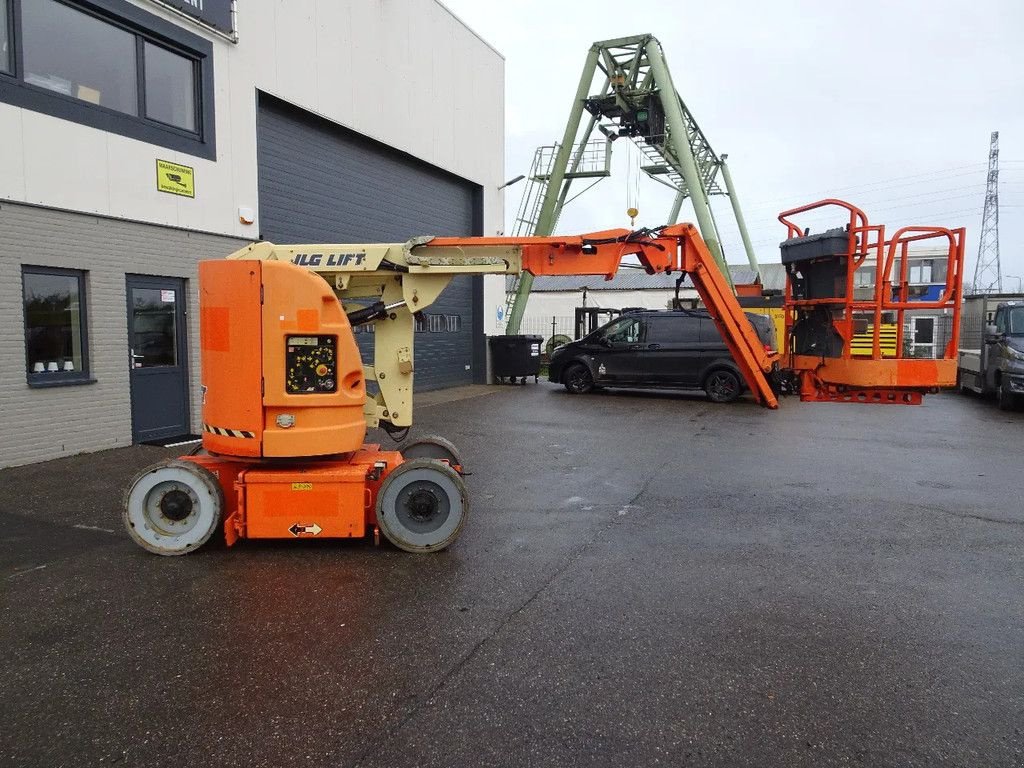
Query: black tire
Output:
(722,386)
(1005,399)
(431,447)
(578,379)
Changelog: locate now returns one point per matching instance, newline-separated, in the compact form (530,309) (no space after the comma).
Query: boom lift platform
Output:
(826,306)
(287,400)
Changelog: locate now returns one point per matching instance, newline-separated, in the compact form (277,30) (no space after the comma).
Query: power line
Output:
(943,215)
(825,217)
(831,193)
(880,185)
(924,198)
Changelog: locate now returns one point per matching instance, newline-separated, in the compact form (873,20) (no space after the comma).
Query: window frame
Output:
(864,277)
(921,266)
(10,40)
(623,321)
(145,27)
(59,378)
(1011,313)
(197,105)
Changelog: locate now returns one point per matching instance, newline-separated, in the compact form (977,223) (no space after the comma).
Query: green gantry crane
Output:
(637,101)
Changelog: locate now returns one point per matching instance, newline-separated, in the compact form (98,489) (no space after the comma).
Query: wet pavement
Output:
(644,580)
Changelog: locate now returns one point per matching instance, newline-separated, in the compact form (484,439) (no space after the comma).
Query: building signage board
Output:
(216,13)
(175,179)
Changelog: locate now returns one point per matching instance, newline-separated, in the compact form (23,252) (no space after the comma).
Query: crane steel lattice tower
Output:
(637,101)
(988,275)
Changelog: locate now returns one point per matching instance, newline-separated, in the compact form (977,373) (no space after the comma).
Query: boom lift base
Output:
(420,504)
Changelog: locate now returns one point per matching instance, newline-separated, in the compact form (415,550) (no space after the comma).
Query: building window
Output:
(110,65)
(170,87)
(864,277)
(6,64)
(920,272)
(95,61)
(56,348)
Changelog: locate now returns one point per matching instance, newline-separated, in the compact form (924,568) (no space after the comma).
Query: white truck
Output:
(991,355)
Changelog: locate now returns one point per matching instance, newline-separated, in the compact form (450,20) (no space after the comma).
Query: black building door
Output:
(157,357)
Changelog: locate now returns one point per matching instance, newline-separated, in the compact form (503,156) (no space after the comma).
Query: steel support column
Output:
(546,218)
(684,153)
(740,222)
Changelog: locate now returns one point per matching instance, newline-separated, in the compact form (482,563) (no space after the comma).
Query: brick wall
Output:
(39,424)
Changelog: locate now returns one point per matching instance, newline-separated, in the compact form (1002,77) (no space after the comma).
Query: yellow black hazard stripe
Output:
(225,432)
(863,343)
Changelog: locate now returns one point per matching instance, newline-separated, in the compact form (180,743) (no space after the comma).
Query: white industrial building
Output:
(140,136)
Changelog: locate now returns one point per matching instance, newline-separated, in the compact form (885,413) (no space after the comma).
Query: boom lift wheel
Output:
(432,447)
(422,506)
(173,508)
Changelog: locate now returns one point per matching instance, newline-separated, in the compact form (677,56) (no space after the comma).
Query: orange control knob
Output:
(321,370)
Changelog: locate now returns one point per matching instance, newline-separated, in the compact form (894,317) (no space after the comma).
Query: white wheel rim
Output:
(153,529)
(403,536)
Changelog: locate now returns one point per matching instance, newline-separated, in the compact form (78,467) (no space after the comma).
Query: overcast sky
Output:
(886,104)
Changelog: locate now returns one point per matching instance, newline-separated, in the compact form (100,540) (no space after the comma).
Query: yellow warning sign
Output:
(302,486)
(175,179)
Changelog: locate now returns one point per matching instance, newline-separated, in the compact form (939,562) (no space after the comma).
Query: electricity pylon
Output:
(988,274)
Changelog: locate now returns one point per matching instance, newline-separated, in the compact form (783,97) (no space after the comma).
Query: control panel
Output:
(311,365)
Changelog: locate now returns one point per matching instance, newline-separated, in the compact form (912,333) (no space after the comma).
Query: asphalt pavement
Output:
(645,579)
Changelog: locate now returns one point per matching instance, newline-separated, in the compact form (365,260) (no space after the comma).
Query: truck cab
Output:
(1004,355)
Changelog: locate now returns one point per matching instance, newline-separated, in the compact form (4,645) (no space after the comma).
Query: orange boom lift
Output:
(287,400)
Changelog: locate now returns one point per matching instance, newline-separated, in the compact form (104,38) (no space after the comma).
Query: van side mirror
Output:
(604,341)
(992,334)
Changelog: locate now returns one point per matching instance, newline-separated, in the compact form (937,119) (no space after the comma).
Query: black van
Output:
(651,349)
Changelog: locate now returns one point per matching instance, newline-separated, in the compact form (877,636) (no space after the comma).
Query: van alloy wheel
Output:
(578,379)
(1005,399)
(722,386)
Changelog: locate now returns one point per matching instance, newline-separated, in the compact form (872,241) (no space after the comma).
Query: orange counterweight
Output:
(281,372)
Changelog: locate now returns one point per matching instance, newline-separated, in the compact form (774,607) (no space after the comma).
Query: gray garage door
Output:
(322,183)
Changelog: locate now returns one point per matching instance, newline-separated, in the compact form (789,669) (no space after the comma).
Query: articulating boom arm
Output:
(401,279)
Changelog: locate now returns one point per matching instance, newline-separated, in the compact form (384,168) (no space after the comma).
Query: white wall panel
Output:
(12,159)
(333,64)
(405,73)
(66,167)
